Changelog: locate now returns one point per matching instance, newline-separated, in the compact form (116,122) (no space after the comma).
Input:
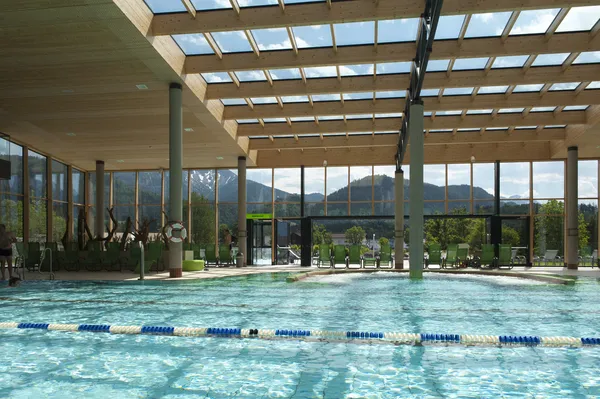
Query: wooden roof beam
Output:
(435,80)
(386,140)
(391,105)
(391,124)
(189,7)
(392,52)
(344,11)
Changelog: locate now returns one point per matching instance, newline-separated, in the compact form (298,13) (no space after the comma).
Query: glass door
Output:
(288,242)
(262,238)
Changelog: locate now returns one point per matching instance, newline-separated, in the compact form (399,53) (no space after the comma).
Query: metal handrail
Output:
(142,271)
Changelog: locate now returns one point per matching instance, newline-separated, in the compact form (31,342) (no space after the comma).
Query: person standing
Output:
(7,239)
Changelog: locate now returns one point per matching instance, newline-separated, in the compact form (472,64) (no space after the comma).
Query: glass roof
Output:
(492,89)
(272,39)
(312,36)
(449,27)
(487,24)
(397,30)
(514,61)
(550,59)
(580,19)
(354,33)
(534,21)
(588,57)
(232,42)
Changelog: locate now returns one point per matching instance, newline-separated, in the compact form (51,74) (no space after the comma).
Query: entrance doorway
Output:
(260,239)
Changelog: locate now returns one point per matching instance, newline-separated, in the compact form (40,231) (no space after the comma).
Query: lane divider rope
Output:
(318,335)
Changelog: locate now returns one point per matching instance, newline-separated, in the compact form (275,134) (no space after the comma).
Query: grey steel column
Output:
(175,174)
(416,141)
(241,238)
(572,207)
(399,219)
(99,225)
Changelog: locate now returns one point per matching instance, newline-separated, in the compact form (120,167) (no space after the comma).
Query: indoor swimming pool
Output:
(36,363)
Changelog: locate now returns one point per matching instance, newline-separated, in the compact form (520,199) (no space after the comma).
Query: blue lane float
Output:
(395,338)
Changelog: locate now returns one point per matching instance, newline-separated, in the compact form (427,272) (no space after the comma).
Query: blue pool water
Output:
(37,364)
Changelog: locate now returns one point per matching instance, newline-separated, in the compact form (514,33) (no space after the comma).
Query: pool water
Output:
(39,364)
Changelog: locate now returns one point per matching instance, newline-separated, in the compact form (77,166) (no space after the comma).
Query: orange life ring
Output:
(175,227)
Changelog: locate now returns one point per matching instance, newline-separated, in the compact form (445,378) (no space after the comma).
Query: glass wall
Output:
(78,187)
(548,206)
(588,209)
(38,199)
(11,191)
(60,200)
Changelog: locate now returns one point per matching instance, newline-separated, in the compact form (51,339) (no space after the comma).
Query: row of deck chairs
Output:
(350,257)
(458,256)
(208,253)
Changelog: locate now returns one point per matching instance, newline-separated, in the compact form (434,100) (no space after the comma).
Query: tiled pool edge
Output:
(536,277)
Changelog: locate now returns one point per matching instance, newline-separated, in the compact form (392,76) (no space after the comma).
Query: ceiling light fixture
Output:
(120,161)
(188,129)
(219,158)
(142,87)
(71,134)
(68,91)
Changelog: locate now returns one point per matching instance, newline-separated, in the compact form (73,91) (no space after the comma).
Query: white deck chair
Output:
(550,256)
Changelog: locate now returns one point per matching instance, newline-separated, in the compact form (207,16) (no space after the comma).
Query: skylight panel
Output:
(354,33)
(487,24)
(232,42)
(203,5)
(294,99)
(468,129)
(272,39)
(550,59)
(312,36)
(333,134)
(528,88)
(492,90)
(430,92)
(216,77)
(575,108)
(320,72)
(163,7)
(285,136)
(510,110)
(391,94)
(274,120)
(303,1)
(449,27)
(458,91)
(427,113)
(479,111)
(263,100)
(246,121)
(543,109)
(281,74)
(440,130)
(513,61)
(302,119)
(469,63)
(356,70)
(554,126)
(331,118)
(448,113)
(593,85)
(496,128)
(256,3)
(580,19)
(233,101)
(525,127)
(534,21)
(358,96)
(397,30)
(250,76)
(437,65)
(194,44)
(258,137)
(360,116)
(393,67)
(389,115)
(588,57)
(564,86)
(360,133)
(385,132)
(326,97)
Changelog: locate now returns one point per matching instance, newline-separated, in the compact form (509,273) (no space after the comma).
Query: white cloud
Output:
(580,18)
(485,17)
(539,23)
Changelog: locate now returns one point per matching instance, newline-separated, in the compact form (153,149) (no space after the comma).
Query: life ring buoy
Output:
(175,227)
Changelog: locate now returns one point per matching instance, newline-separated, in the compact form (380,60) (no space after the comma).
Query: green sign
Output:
(259,216)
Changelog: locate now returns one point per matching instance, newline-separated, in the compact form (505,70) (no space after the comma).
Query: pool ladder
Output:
(42,261)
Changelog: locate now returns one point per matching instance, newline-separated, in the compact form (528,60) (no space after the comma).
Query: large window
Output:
(514,188)
(384,189)
(11,191)
(361,190)
(548,206)
(149,199)
(287,192)
(38,201)
(314,189)
(202,186)
(588,208)
(337,190)
(124,198)
(78,187)
(60,205)
(434,192)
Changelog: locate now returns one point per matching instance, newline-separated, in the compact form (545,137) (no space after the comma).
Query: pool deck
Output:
(221,272)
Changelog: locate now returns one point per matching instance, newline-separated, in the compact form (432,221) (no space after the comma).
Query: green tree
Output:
(549,227)
(355,235)
(584,234)
(477,234)
(203,220)
(320,235)
(510,236)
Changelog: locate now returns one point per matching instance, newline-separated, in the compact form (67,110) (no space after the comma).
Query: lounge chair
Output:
(45,266)
(339,256)
(549,257)
(385,256)
(588,257)
(34,254)
(152,256)
(517,259)
(324,255)
(505,258)
(434,256)
(451,259)
(462,255)
(210,255)
(20,257)
(488,259)
(354,256)
(225,258)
